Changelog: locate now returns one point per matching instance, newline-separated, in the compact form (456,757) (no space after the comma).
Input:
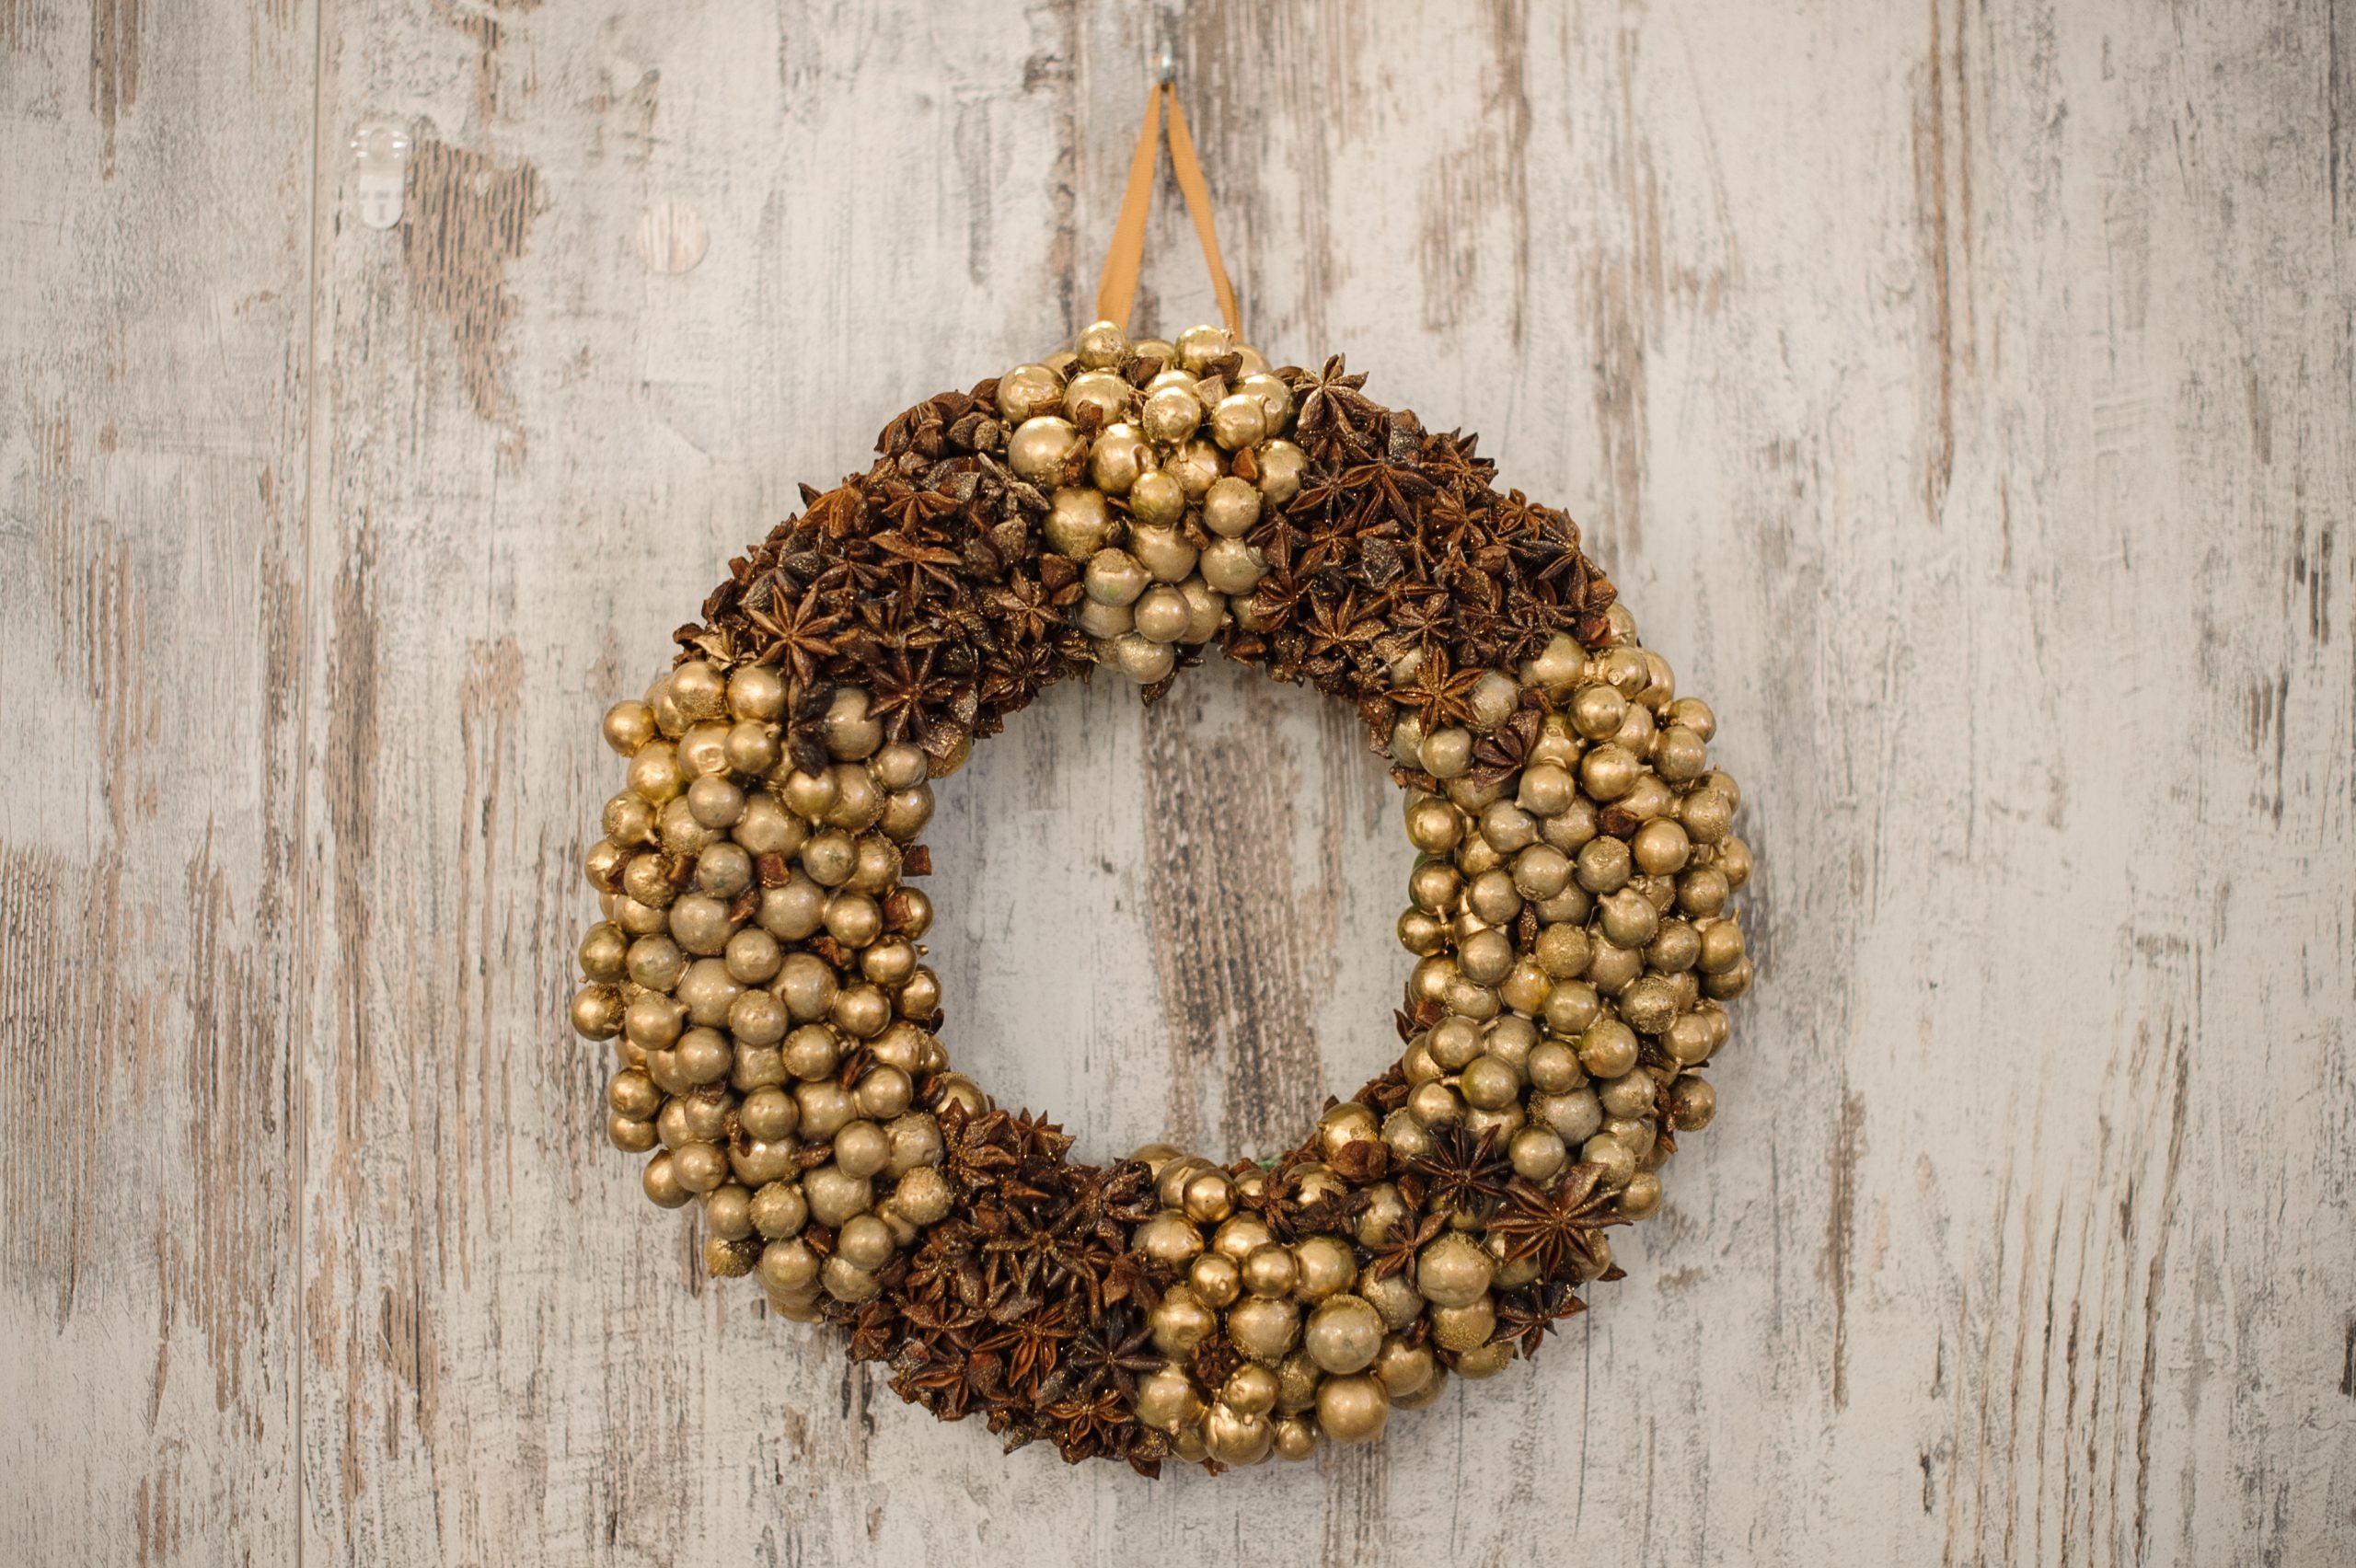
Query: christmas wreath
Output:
(760,965)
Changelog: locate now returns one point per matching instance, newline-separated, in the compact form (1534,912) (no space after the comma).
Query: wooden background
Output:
(1960,393)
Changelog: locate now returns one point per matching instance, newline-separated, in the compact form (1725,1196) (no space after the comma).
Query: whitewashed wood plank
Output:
(1961,399)
(154,288)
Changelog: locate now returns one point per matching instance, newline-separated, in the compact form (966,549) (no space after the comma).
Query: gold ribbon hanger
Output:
(1117,289)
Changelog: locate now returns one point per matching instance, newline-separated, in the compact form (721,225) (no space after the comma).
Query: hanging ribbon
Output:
(1118,287)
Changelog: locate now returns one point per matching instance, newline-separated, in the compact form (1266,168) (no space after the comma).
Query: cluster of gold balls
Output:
(1193,459)
(1575,1046)
(720,867)
(758,969)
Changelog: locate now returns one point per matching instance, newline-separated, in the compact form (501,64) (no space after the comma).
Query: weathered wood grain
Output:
(1963,396)
(154,300)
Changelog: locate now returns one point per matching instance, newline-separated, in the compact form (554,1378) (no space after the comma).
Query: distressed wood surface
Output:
(1961,395)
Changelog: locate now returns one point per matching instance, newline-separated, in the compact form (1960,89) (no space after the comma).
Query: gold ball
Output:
(1119,457)
(1209,1197)
(1163,613)
(1353,1410)
(1282,467)
(777,1211)
(1693,1104)
(1230,507)
(1027,390)
(629,725)
(1095,399)
(1231,566)
(1181,1321)
(1078,524)
(1464,1328)
(1618,1160)
(1454,1271)
(1344,1333)
(1241,420)
(1169,1236)
(1197,346)
(1194,465)
(1486,1361)
(1216,1279)
(597,1012)
(1447,753)
(1167,1400)
(1263,1327)
(1114,577)
(1271,1270)
(1296,1438)
(1328,1265)
(1102,344)
(1143,660)
(1404,1368)
(1157,500)
(1042,448)
(1237,1437)
(700,692)
(1171,414)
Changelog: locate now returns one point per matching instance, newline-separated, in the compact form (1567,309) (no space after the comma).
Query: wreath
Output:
(759,967)
(759,964)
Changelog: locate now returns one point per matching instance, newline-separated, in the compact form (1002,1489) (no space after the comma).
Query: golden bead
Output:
(1197,346)
(1237,1437)
(1167,1400)
(1195,465)
(1693,1104)
(1282,467)
(1404,1368)
(1466,1327)
(1353,1410)
(1231,566)
(697,689)
(1328,1265)
(1095,399)
(1078,523)
(1230,507)
(1102,344)
(1143,660)
(1263,1327)
(629,725)
(1181,1321)
(1296,1438)
(1344,1333)
(1241,420)
(1171,414)
(1169,1236)
(1042,448)
(1216,1279)
(1486,1361)
(1028,390)
(1250,1389)
(1119,457)
(1209,1197)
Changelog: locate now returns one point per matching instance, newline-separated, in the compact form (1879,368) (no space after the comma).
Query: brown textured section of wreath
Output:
(923,582)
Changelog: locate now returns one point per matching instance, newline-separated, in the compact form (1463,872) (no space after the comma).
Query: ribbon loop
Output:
(1117,291)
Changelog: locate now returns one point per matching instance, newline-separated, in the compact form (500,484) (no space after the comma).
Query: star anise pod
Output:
(1559,1225)
(1396,1252)
(1336,418)
(1530,1314)
(1440,692)
(1108,1353)
(1464,1171)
